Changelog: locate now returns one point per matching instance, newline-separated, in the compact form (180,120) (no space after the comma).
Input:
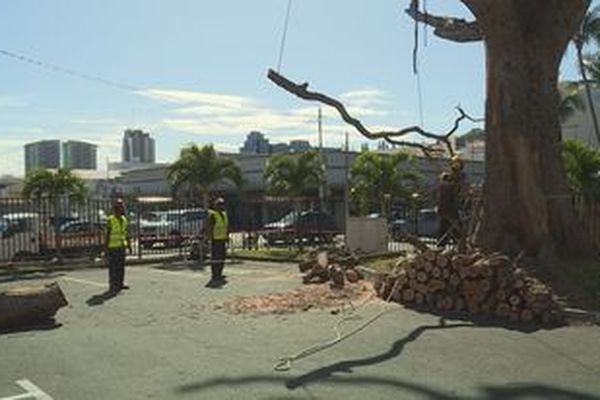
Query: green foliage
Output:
(589,30)
(294,175)
(45,183)
(375,175)
(198,169)
(582,164)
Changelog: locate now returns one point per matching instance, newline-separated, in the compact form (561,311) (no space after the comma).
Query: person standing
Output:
(218,232)
(117,240)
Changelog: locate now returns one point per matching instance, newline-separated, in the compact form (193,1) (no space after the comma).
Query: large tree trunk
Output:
(527,204)
(29,305)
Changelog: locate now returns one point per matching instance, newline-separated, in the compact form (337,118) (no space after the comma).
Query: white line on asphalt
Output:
(33,392)
(163,271)
(84,281)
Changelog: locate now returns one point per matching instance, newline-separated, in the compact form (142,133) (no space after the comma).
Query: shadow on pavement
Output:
(328,374)
(45,325)
(517,392)
(394,351)
(101,298)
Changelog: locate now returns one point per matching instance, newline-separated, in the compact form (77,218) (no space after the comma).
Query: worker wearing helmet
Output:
(117,240)
(218,232)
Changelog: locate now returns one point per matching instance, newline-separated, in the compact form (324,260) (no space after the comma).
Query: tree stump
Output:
(29,305)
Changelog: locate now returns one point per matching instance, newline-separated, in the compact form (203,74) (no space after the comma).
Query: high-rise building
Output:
(138,147)
(79,155)
(42,154)
(255,143)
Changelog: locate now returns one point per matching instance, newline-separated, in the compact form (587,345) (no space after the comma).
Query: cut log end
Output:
(23,306)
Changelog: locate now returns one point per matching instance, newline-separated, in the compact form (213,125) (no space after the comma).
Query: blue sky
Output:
(198,69)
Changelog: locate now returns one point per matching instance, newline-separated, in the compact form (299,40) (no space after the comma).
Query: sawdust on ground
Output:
(307,297)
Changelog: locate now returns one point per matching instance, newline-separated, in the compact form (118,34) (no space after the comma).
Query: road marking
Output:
(84,281)
(164,271)
(32,392)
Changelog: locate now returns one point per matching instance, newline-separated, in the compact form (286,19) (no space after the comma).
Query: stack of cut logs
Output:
(335,266)
(489,285)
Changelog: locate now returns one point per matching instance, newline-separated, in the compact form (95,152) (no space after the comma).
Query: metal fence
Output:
(66,227)
(62,228)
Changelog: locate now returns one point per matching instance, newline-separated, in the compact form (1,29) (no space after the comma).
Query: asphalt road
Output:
(164,339)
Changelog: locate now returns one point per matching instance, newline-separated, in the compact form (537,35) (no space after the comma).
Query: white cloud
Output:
(93,121)
(202,113)
(202,98)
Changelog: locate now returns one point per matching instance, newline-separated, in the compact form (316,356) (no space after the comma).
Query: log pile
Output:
(335,266)
(488,285)
(24,306)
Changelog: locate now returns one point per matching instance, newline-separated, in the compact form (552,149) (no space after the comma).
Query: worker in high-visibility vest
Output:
(218,233)
(117,241)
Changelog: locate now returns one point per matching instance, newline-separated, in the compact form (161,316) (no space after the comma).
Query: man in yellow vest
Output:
(117,240)
(218,232)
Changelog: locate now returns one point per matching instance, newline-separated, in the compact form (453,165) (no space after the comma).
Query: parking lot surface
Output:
(167,338)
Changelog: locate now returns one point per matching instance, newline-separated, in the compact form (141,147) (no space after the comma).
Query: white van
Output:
(19,235)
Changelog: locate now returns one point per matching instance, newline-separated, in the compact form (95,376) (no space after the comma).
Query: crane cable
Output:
(284,35)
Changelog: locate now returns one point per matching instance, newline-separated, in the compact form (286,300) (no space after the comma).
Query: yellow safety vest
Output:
(118,232)
(220,227)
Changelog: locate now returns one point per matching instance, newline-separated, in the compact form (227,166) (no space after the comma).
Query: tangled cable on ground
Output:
(285,363)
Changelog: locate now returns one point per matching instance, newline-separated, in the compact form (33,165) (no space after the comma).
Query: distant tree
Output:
(294,176)
(377,177)
(197,170)
(570,100)
(45,183)
(588,32)
(582,164)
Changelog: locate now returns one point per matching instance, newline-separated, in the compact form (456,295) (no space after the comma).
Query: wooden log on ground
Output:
(352,276)
(526,315)
(29,305)
(422,276)
(408,295)
(430,255)
(442,261)
(419,298)
(446,274)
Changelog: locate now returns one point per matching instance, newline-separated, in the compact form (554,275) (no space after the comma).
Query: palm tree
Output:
(582,164)
(294,176)
(45,183)
(198,169)
(589,31)
(378,179)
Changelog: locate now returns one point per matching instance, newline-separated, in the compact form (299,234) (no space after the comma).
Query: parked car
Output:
(312,225)
(171,228)
(24,235)
(81,237)
(188,222)
(20,235)
(427,224)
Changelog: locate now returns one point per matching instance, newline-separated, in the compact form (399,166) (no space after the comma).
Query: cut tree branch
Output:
(454,29)
(301,90)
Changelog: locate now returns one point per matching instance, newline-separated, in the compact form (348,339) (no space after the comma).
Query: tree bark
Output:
(527,204)
(28,305)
